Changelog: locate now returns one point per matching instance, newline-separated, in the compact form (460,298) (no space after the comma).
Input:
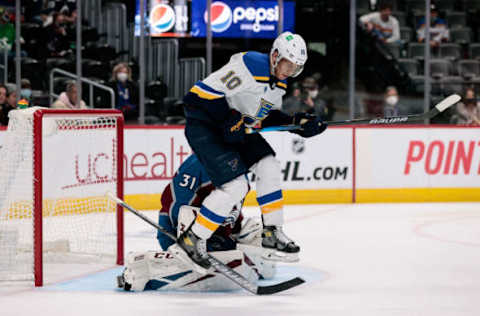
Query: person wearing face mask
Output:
(468,110)
(305,98)
(391,107)
(26,90)
(312,102)
(68,99)
(126,91)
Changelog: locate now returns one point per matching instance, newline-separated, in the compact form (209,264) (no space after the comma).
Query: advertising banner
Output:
(417,157)
(253,19)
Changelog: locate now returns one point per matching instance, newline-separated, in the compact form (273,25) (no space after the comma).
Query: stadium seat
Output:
(416,6)
(461,35)
(440,68)
(156,90)
(471,5)
(450,51)
(60,62)
(406,34)
(456,19)
(416,50)
(95,68)
(474,50)
(468,68)
(452,84)
(395,49)
(363,5)
(101,52)
(411,66)
(419,83)
(445,5)
(31,69)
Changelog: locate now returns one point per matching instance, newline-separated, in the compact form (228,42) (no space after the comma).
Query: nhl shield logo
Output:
(298,146)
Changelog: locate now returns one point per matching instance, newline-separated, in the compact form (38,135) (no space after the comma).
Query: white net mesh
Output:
(79,164)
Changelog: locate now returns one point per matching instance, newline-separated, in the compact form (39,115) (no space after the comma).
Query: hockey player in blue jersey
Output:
(246,92)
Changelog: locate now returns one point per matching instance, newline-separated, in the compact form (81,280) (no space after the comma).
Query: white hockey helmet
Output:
(291,47)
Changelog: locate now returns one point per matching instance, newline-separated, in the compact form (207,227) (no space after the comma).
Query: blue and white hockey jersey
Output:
(243,84)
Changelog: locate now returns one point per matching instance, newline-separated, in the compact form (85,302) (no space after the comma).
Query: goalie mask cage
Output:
(55,168)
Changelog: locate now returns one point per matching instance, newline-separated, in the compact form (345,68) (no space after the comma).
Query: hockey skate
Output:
(277,246)
(192,250)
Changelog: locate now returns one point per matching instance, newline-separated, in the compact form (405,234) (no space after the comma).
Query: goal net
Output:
(55,167)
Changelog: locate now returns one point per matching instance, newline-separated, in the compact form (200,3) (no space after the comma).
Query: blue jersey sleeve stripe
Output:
(269,198)
(208,88)
(211,215)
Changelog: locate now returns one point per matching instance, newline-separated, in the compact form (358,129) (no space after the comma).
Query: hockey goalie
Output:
(237,242)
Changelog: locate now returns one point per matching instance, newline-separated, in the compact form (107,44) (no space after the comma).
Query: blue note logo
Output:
(265,107)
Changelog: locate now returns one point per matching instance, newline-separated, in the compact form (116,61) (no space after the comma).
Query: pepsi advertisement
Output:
(164,18)
(232,19)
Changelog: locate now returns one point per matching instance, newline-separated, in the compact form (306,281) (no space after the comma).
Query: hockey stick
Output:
(217,264)
(440,107)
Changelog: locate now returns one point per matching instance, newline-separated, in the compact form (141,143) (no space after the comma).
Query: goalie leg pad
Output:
(161,271)
(250,243)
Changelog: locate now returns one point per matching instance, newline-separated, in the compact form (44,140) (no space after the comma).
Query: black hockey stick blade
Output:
(280,287)
(223,269)
(440,107)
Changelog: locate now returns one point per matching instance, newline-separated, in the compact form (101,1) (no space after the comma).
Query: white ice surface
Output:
(363,259)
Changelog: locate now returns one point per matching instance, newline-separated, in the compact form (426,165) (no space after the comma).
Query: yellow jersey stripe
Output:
(261,78)
(204,94)
(281,84)
(272,207)
(206,223)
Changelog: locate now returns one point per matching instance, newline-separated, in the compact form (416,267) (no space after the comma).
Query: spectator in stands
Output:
(391,107)
(7,29)
(3,104)
(468,111)
(26,89)
(68,99)
(126,91)
(11,103)
(57,39)
(306,99)
(439,31)
(382,24)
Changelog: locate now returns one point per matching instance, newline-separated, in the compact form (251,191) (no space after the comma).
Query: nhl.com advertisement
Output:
(229,18)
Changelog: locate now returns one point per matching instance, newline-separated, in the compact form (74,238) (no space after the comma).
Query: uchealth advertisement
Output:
(417,164)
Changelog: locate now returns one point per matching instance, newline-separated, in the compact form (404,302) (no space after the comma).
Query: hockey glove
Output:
(234,128)
(311,125)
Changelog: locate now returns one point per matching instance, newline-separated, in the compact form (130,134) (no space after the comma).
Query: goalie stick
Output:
(440,107)
(217,264)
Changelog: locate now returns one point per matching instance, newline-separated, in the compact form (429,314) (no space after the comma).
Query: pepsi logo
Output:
(162,18)
(221,16)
